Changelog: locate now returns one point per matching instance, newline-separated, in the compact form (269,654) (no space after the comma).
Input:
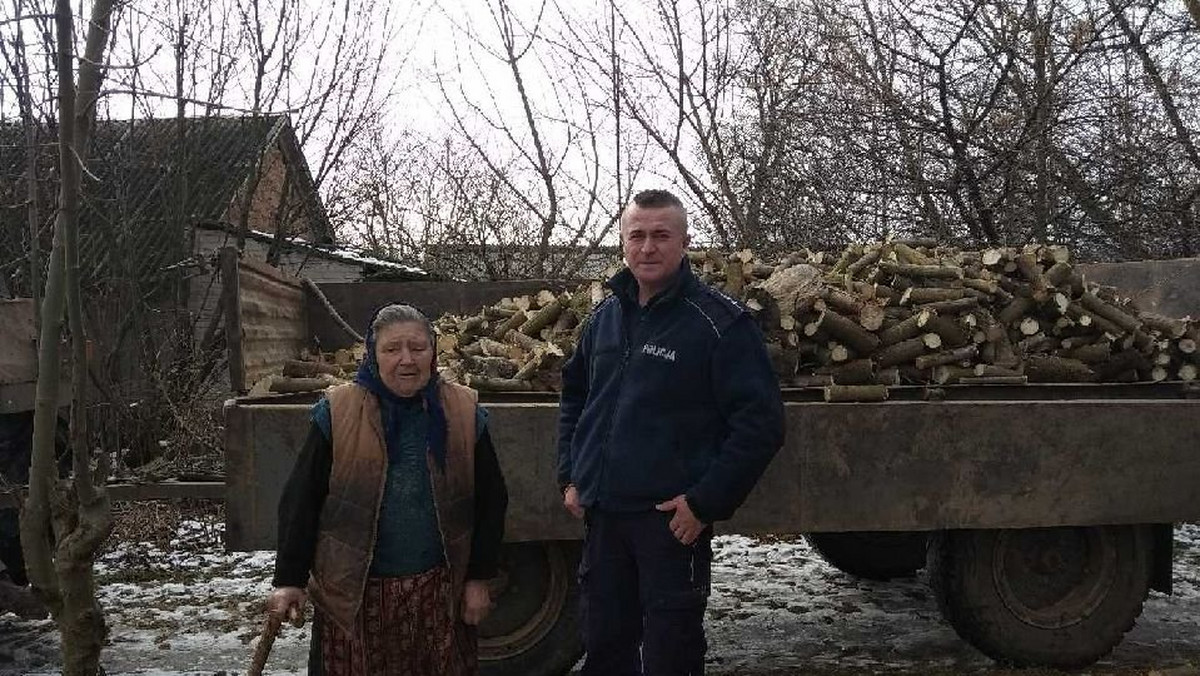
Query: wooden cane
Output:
(266,639)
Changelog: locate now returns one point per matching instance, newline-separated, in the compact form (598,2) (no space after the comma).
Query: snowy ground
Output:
(186,607)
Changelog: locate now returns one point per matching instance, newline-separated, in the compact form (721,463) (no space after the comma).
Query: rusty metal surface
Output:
(923,466)
(1167,287)
(268,321)
(18,352)
(890,466)
(261,444)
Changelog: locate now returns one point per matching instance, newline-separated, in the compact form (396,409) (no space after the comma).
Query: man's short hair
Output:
(661,199)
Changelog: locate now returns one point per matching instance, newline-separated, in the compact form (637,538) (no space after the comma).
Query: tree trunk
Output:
(61,544)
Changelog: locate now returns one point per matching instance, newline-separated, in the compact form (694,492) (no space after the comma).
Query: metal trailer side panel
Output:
(1004,464)
(889,466)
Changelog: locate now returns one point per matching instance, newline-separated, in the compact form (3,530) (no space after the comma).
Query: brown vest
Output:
(347,527)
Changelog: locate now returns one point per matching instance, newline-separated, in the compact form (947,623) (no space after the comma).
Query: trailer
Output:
(1044,513)
(1049,509)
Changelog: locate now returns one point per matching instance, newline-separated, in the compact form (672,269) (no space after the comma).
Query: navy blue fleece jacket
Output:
(676,397)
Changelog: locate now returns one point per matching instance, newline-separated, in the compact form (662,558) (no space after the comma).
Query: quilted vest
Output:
(347,527)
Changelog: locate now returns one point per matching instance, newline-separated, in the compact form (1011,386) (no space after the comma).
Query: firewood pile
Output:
(875,316)
(910,312)
(518,344)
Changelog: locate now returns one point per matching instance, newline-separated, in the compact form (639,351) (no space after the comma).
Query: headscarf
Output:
(368,377)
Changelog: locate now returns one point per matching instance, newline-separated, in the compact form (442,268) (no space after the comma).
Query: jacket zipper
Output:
(636,330)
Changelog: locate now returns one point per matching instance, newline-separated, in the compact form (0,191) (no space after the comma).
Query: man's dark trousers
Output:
(642,596)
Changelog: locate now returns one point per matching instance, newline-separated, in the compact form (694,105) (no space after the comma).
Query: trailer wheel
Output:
(1047,597)
(533,630)
(872,555)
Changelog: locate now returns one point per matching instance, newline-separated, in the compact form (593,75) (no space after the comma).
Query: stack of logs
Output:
(518,344)
(909,312)
(877,315)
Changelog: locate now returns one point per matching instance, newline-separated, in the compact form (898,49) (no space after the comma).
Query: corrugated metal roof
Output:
(151,181)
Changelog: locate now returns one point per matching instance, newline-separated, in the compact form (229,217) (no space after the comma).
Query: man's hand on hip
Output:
(571,501)
(684,525)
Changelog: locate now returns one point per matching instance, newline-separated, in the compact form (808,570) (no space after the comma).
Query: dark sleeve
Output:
(491,504)
(748,399)
(300,508)
(570,403)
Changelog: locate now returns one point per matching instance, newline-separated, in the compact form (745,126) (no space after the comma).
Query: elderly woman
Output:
(393,516)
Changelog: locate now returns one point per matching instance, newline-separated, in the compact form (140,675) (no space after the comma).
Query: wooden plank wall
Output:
(266,319)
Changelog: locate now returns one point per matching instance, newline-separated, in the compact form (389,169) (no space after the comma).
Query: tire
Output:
(1042,597)
(533,630)
(872,555)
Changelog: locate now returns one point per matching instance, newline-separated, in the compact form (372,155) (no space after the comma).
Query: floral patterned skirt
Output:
(403,629)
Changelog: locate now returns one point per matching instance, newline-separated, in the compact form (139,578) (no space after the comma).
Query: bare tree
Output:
(64,526)
(542,136)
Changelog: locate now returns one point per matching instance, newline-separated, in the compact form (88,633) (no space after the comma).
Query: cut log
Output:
(948,375)
(910,255)
(857,372)
(1077,312)
(491,367)
(991,371)
(838,353)
(861,393)
(811,328)
(1051,369)
(1091,354)
(485,384)
(447,343)
(1030,326)
(993,380)
(1096,306)
(567,319)
(948,307)
(1038,343)
(514,321)
(735,280)
(921,271)
(472,325)
(909,328)
(849,255)
(1027,263)
(294,368)
(812,380)
(950,332)
(285,385)
(1166,326)
(1059,273)
(871,316)
(987,286)
(930,294)
(1187,373)
(495,348)
(905,351)
(962,354)
(849,332)
(889,376)
(543,317)
(1019,307)
(869,257)
(527,343)
(530,367)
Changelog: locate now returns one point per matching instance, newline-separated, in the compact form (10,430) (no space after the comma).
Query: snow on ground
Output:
(189,609)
